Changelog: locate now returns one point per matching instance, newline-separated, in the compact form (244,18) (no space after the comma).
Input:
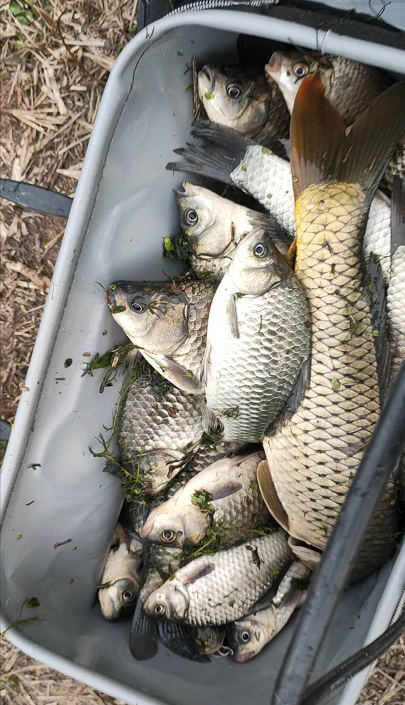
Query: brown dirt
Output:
(53,69)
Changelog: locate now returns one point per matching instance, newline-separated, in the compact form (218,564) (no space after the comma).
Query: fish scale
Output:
(313,457)
(224,587)
(152,421)
(210,596)
(199,296)
(396,302)
(268,178)
(250,377)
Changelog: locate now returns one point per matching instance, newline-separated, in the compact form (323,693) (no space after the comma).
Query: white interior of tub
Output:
(61,494)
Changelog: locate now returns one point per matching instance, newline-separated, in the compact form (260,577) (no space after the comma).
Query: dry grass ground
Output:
(55,59)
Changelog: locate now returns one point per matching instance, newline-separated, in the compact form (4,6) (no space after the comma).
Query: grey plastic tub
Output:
(53,490)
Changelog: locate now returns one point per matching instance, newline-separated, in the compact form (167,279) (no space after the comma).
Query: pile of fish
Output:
(258,376)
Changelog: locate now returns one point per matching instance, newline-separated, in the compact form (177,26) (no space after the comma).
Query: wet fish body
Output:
(167,321)
(160,432)
(121,579)
(214,226)
(214,590)
(257,341)
(243,100)
(225,494)
(316,450)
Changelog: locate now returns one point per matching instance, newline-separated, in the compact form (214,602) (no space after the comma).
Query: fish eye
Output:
(168,536)
(300,69)
(234,90)
(159,610)
(245,636)
(137,305)
(128,596)
(260,250)
(191,216)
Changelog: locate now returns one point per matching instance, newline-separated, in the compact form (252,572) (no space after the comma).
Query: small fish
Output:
(243,100)
(214,590)
(225,493)
(315,449)
(167,321)
(160,433)
(248,636)
(121,579)
(214,226)
(258,338)
(233,159)
(349,86)
(159,562)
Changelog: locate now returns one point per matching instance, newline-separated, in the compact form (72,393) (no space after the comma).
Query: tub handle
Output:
(36,198)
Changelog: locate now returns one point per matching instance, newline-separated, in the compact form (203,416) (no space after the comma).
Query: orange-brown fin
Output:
(324,151)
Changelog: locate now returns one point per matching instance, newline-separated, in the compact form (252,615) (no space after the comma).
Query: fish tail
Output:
(323,150)
(397,215)
(144,635)
(222,151)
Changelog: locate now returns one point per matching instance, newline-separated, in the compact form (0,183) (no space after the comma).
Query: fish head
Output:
(167,602)
(121,579)
(152,314)
(288,69)
(206,219)
(235,97)
(246,637)
(118,598)
(175,526)
(257,266)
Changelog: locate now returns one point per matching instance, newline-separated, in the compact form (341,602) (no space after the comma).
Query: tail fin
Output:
(178,638)
(222,151)
(397,215)
(144,635)
(323,150)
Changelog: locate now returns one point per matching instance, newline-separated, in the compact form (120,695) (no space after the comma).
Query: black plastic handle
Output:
(36,198)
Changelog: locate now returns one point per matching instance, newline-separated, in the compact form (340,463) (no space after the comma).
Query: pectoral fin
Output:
(176,374)
(232,315)
(270,496)
(194,572)
(227,490)
(311,557)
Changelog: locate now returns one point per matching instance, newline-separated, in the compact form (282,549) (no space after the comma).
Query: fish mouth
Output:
(241,658)
(275,62)
(110,295)
(207,73)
